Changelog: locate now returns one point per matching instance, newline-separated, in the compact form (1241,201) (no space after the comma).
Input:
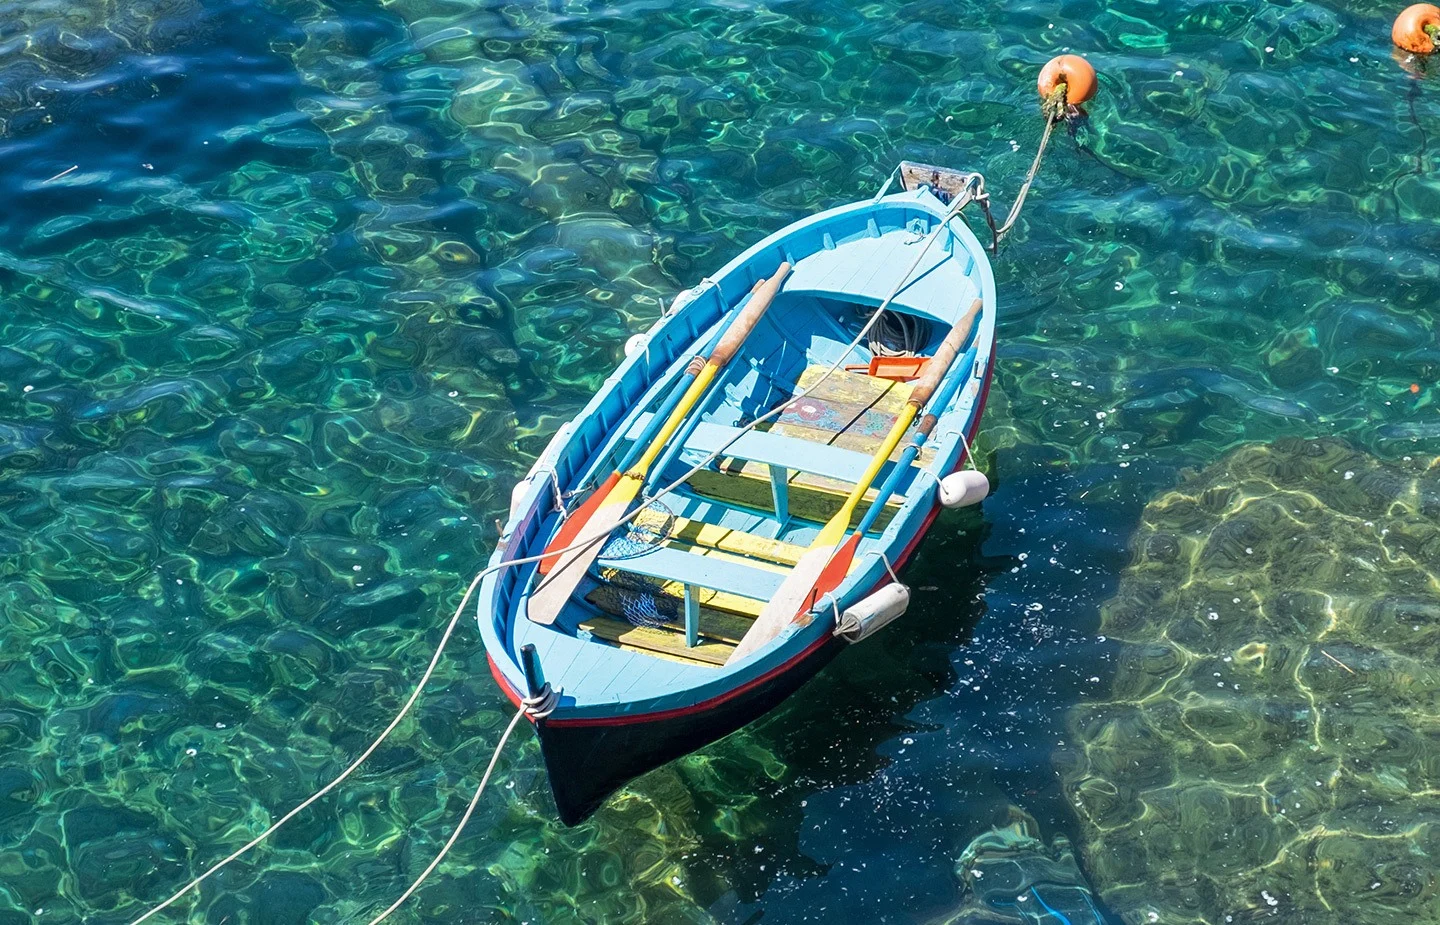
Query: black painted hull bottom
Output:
(586,764)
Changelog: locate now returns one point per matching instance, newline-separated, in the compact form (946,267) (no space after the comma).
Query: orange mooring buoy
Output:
(1415,28)
(1074,72)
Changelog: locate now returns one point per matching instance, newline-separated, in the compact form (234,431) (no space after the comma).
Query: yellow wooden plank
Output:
(837,424)
(657,640)
(750,486)
(716,625)
(856,388)
(699,533)
(846,440)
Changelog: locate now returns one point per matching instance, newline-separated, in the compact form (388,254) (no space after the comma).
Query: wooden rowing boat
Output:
(642,654)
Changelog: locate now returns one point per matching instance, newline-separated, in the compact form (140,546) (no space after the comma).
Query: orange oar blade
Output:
(570,530)
(834,573)
(553,590)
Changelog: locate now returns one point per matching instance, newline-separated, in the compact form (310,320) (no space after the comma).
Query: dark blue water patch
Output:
(923,737)
(147,94)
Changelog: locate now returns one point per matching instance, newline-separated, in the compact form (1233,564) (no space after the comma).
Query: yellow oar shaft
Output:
(834,531)
(630,483)
(677,417)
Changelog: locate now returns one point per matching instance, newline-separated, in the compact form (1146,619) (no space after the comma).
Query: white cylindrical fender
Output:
(518,493)
(636,343)
(684,298)
(964,488)
(865,618)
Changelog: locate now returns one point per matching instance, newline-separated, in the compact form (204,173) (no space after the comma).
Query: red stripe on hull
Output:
(658,715)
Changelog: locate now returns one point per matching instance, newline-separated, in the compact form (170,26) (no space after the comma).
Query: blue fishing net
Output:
(639,599)
(650,527)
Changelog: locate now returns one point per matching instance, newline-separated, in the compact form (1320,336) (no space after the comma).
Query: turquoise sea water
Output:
(293,291)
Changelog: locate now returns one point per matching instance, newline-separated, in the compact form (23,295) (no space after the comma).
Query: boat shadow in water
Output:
(832,733)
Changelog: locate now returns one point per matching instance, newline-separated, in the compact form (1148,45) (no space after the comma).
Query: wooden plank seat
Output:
(772,449)
(715,572)
(791,476)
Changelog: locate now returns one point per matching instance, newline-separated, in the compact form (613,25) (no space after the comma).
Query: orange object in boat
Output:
(897,369)
(1415,28)
(1074,72)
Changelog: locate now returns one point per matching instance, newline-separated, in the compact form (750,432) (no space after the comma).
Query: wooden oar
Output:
(570,529)
(803,587)
(557,587)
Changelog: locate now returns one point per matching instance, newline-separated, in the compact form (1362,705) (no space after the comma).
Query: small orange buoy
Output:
(1075,73)
(1414,388)
(1415,28)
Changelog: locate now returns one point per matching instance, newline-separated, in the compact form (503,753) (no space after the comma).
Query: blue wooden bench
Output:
(779,452)
(772,449)
(696,572)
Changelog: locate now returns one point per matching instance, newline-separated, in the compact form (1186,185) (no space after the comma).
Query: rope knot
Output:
(542,704)
(1054,107)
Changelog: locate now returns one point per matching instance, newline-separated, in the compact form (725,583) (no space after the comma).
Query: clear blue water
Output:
(293,291)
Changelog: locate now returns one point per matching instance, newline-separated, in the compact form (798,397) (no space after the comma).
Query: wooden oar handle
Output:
(939,364)
(942,400)
(748,317)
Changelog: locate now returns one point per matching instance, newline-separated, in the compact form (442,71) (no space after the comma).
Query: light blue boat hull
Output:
(622,712)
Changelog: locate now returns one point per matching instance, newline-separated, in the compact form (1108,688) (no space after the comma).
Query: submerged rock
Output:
(1010,876)
(1271,748)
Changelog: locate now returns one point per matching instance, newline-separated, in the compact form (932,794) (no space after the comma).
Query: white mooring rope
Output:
(548,701)
(537,707)
(514,721)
